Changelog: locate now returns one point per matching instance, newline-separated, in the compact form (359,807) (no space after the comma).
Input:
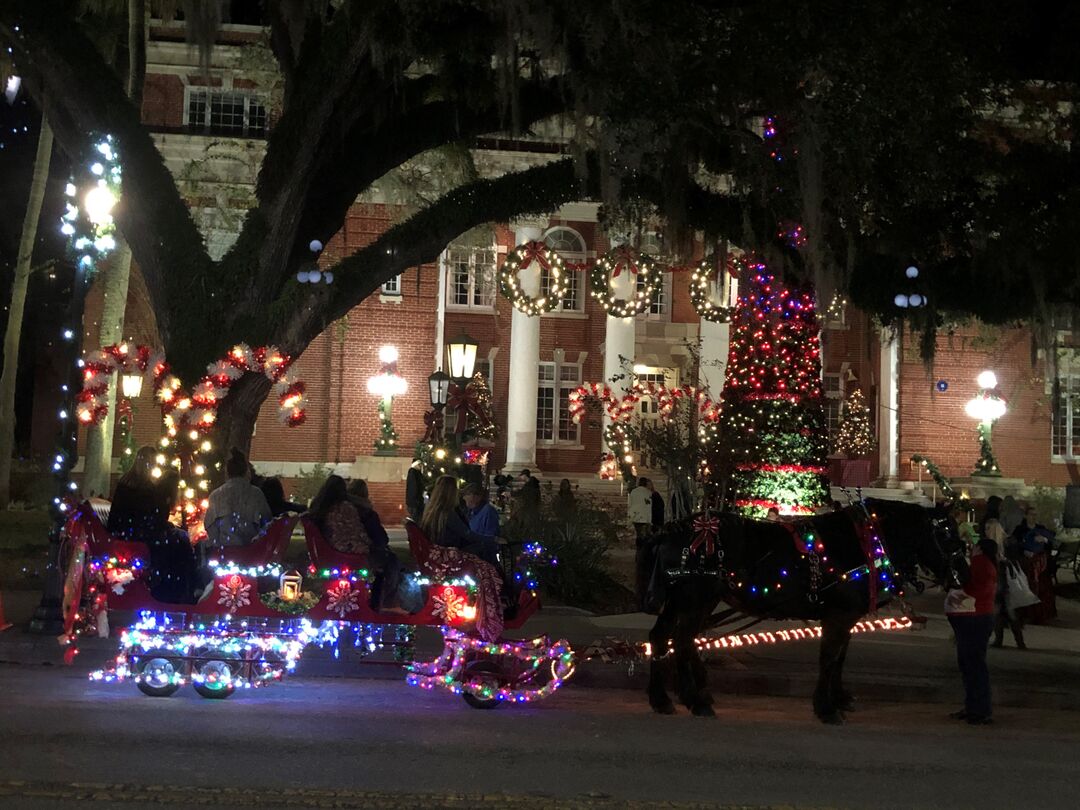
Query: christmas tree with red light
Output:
(773,419)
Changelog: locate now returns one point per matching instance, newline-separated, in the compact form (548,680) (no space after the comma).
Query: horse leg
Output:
(693,677)
(835,632)
(659,637)
(845,701)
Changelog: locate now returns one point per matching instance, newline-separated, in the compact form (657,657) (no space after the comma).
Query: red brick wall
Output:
(163,101)
(934,423)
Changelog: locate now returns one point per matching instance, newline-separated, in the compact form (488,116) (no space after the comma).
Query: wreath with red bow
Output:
(523,257)
(613,264)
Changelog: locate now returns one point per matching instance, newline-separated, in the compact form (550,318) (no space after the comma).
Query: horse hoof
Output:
(703,710)
(663,708)
(832,719)
(848,705)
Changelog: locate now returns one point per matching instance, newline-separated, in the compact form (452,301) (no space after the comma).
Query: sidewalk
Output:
(900,666)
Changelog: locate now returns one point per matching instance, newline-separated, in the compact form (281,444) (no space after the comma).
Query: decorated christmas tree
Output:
(772,423)
(854,439)
(482,427)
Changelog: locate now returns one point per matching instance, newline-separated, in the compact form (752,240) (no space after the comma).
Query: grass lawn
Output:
(24,541)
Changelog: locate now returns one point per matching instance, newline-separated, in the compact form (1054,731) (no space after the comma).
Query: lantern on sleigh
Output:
(291,583)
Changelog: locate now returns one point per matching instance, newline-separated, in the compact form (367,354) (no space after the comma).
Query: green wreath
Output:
(700,288)
(519,259)
(305,602)
(610,265)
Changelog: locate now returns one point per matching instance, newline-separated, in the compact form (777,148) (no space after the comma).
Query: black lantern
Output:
(462,352)
(439,388)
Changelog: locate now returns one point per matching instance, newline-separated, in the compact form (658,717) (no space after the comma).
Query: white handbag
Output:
(1018,593)
(959,601)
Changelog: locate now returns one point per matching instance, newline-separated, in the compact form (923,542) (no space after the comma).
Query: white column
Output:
(619,336)
(715,338)
(440,316)
(889,407)
(524,367)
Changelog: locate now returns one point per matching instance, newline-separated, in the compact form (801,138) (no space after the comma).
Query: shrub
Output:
(306,485)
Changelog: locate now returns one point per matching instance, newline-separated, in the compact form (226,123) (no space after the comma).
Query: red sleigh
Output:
(242,638)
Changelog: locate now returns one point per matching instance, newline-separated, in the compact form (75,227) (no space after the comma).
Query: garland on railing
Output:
(943,483)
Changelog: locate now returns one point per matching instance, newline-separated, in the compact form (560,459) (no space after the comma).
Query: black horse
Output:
(814,569)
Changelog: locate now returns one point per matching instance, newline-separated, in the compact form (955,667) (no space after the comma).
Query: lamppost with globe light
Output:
(387,384)
(987,406)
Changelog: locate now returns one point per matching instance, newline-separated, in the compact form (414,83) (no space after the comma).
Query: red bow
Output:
(533,252)
(624,257)
(464,402)
(434,421)
(706,528)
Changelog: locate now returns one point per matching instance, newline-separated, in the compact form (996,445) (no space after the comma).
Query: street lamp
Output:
(387,384)
(462,351)
(987,407)
(439,388)
(131,385)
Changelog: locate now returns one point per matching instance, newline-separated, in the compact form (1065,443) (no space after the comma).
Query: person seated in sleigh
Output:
(349,523)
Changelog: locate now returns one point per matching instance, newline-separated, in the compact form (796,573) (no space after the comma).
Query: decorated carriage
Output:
(253,625)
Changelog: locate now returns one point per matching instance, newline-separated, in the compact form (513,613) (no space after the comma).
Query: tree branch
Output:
(420,239)
(82,95)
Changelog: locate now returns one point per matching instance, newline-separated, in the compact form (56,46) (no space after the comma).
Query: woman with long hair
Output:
(350,524)
(132,514)
(444,524)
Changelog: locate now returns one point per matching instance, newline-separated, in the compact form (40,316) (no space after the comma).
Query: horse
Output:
(822,568)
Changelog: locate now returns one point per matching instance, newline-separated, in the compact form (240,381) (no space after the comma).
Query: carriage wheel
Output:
(487,673)
(218,677)
(158,671)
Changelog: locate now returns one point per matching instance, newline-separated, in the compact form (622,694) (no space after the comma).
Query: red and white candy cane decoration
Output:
(198,410)
(91,403)
(622,409)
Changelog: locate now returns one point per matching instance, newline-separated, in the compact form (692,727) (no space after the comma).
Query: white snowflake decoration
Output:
(448,605)
(343,599)
(233,593)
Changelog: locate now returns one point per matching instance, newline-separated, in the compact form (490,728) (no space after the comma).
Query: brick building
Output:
(212,135)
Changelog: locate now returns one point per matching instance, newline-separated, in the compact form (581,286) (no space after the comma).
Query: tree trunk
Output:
(99,439)
(18,304)
(238,412)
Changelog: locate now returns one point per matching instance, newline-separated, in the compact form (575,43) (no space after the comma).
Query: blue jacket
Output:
(484,520)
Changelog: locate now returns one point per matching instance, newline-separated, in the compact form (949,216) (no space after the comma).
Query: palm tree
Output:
(18,304)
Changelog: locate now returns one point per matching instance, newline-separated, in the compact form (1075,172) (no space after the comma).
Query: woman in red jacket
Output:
(972,627)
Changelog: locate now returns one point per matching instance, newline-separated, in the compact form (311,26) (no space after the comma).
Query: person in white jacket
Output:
(639,508)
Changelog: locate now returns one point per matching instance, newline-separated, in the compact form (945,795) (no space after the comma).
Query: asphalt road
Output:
(357,743)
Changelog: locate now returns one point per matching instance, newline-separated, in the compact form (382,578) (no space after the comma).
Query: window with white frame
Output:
(658,303)
(470,277)
(1065,430)
(832,385)
(226,112)
(393,286)
(555,382)
(571,248)
(648,406)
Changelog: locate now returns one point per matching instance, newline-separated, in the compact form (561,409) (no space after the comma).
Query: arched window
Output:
(571,247)
(652,245)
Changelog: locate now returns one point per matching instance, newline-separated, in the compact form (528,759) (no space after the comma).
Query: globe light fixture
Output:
(386,385)
(462,353)
(99,202)
(987,407)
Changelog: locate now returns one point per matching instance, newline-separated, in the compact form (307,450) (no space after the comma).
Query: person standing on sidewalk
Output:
(639,510)
(414,490)
(971,614)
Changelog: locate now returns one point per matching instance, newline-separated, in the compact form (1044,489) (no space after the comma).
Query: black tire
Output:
(490,672)
(219,673)
(161,667)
